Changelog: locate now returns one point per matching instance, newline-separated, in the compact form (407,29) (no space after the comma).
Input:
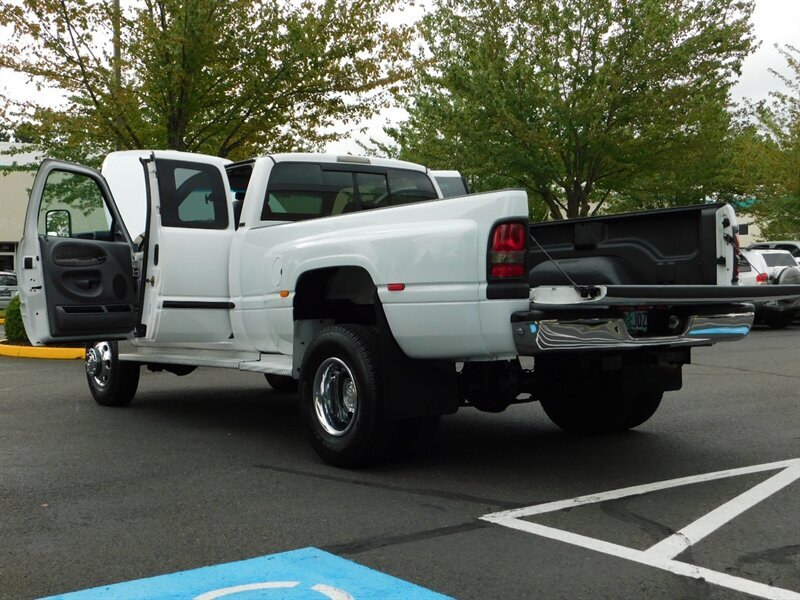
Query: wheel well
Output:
(413,388)
(341,294)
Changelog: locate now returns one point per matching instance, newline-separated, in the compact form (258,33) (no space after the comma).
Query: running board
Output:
(273,364)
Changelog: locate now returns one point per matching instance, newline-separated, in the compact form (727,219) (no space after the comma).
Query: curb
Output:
(41,352)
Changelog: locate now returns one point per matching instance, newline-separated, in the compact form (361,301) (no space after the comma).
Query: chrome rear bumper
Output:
(535,336)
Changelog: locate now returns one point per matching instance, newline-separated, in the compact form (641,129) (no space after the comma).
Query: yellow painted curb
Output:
(41,352)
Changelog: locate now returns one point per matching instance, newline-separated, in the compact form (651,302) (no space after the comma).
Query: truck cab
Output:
(142,249)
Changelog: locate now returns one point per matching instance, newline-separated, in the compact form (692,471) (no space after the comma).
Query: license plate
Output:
(636,321)
(5,292)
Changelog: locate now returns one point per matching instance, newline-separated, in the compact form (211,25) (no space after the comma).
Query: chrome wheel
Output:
(335,396)
(98,363)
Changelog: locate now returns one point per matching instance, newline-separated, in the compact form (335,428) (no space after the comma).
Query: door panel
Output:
(89,286)
(77,278)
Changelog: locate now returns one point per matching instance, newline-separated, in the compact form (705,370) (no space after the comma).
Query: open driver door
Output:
(77,276)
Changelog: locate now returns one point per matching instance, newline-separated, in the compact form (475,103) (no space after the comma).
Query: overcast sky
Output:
(775,21)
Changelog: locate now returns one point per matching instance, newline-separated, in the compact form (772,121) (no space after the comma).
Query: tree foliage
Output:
(228,78)
(14,327)
(582,102)
(771,155)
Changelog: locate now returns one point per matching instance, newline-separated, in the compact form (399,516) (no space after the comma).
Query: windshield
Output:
(784,259)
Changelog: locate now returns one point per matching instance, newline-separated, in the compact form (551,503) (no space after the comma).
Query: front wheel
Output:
(340,390)
(112,382)
(601,413)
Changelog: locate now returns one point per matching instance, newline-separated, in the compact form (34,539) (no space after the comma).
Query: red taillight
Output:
(509,237)
(762,278)
(507,252)
(506,271)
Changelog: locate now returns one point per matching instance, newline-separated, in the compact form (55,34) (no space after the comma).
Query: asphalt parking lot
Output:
(213,468)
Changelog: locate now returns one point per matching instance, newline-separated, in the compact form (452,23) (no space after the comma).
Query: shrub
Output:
(15,330)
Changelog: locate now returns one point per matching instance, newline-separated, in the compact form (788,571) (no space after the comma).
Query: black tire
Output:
(340,390)
(282,383)
(779,320)
(412,438)
(112,382)
(601,414)
(420,432)
(641,408)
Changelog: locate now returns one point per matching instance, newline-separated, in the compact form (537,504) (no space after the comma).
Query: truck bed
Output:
(675,246)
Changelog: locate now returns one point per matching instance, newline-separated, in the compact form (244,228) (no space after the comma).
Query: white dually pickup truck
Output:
(386,304)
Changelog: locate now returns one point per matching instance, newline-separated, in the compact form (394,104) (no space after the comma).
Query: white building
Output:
(17,170)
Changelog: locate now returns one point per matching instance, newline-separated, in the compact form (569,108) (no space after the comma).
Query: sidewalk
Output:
(40,352)
(37,351)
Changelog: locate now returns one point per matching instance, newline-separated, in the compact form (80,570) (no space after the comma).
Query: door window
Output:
(73,207)
(408,187)
(191,195)
(373,190)
(298,191)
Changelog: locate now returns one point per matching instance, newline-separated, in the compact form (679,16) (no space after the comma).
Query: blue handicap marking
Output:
(305,574)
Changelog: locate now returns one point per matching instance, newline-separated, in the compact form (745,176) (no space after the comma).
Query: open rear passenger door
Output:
(77,278)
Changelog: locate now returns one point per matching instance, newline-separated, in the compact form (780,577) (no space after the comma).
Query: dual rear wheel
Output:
(601,413)
(341,389)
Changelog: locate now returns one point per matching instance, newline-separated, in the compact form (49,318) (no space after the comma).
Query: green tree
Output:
(582,102)
(14,327)
(228,78)
(772,156)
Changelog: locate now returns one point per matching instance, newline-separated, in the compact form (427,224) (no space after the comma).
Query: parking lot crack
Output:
(434,493)
(785,555)
(373,543)
(651,527)
(697,363)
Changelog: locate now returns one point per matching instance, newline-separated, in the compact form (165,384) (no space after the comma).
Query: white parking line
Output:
(691,534)
(661,555)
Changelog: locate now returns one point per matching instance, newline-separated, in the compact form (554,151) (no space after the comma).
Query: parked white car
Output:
(777,261)
(774,267)
(8,287)
(791,246)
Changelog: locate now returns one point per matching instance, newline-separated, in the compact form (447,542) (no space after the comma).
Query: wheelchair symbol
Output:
(326,591)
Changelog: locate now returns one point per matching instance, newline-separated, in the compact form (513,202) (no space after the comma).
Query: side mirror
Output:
(58,223)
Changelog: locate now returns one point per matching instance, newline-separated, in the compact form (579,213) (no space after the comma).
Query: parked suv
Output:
(8,287)
(774,267)
(792,247)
